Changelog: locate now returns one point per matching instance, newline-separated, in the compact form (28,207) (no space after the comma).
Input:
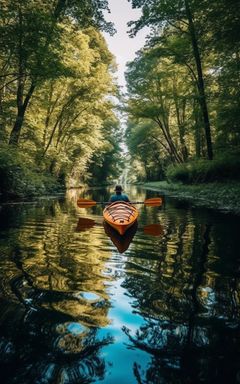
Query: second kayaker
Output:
(119,196)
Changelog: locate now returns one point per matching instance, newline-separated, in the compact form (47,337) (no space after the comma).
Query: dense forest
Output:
(57,96)
(184,91)
(59,101)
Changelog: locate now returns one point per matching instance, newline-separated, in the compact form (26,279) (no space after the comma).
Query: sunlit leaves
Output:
(72,111)
(194,45)
(57,48)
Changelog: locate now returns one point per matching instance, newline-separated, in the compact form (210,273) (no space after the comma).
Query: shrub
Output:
(19,176)
(225,167)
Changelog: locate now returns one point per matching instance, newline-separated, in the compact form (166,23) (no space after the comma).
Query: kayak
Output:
(120,215)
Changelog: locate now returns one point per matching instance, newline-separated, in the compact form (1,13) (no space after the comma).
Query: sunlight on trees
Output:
(56,86)
(183,84)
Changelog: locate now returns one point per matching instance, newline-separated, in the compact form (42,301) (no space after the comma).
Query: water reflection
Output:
(46,346)
(84,224)
(188,312)
(153,229)
(78,306)
(121,242)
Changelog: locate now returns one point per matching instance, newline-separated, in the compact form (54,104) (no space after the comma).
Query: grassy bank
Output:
(222,196)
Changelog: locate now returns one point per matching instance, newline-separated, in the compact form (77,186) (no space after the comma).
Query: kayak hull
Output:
(121,216)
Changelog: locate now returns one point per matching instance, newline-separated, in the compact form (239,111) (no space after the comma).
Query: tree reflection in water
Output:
(42,346)
(212,355)
(189,341)
(50,319)
(60,278)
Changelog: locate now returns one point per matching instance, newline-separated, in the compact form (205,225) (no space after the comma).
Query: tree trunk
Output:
(201,87)
(21,109)
(169,141)
(181,123)
(163,122)
(197,130)
(21,103)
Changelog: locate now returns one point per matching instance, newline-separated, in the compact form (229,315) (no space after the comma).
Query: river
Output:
(78,305)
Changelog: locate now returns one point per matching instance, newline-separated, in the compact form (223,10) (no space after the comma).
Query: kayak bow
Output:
(120,215)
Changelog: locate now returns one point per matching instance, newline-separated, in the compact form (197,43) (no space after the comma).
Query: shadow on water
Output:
(79,305)
(123,242)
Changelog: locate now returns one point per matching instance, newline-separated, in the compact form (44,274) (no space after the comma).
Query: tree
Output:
(148,155)
(71,112)
(182,16)
(31,48)
(107,163)
(66,120)
(223,28)
(160,91)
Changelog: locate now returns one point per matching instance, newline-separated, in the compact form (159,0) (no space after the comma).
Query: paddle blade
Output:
(153,230)
(154,202)
(84,203)
(84,224)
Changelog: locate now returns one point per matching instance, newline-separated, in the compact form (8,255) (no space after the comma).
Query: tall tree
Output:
(223,26)
(160,91)
(31,48)
(71,113)
(182,15)
(146,150)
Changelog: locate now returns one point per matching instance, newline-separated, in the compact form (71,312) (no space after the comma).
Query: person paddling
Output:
(119,196)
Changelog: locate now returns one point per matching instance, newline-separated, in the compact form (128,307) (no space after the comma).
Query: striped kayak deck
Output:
(120,215)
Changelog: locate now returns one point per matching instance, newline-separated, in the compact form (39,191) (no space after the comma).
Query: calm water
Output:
(78,306)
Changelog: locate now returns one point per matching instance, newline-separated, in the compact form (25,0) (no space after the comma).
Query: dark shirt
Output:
(119,197)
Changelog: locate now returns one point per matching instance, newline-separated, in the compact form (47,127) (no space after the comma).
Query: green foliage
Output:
(148,162)
(20,178)
(85,13)
(225,167)
(107,164)
(33,48)
(186,81)
(160,98)
(55,90)
(73,121)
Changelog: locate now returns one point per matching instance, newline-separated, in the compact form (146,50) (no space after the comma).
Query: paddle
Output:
(153,230)
(87,203)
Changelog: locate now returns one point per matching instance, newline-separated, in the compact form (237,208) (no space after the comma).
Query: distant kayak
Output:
(120,215)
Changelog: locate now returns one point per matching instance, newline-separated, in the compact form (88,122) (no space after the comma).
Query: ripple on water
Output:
(64,288)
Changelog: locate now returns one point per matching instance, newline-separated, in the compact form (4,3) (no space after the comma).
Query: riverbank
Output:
(221,196)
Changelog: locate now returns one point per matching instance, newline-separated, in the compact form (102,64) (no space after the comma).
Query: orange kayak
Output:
(120,215)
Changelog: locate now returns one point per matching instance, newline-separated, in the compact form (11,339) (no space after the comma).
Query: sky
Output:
(121,45)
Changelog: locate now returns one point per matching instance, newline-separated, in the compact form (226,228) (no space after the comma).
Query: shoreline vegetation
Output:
(219,196)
